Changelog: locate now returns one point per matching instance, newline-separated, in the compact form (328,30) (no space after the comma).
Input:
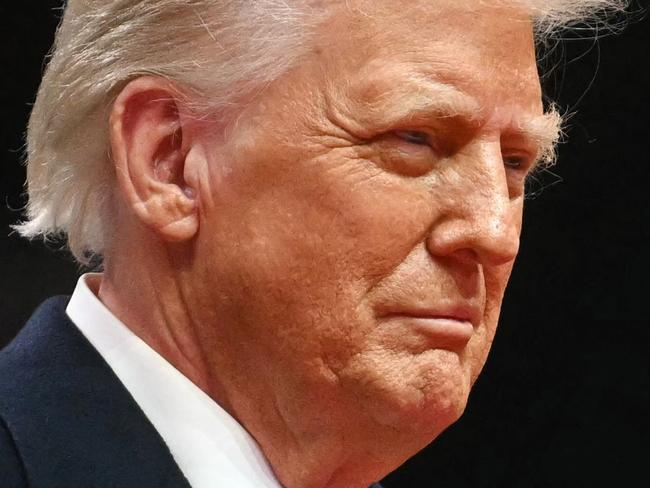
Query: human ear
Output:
(149,154)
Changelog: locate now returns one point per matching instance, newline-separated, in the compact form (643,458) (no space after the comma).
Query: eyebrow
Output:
(420,97)
(544,131)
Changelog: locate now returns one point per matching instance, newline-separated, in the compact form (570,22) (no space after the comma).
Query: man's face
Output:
(361,218)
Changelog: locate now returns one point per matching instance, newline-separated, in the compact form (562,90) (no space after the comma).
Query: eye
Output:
(519,162)
(414,137)
(406,152)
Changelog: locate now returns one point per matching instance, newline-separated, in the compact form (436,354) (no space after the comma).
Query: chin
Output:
(413,425)
(427,398)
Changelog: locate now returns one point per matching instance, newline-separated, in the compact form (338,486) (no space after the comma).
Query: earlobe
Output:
(149,153)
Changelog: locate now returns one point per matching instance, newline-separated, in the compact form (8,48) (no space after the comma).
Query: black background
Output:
(564,397)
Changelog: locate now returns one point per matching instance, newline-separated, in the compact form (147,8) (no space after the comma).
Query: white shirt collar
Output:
(210,447)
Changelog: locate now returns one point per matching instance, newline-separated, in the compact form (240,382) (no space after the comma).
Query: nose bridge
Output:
(492,217)
(483,218)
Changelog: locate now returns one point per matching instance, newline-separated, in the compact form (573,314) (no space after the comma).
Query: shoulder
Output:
(26,358)
(66,419)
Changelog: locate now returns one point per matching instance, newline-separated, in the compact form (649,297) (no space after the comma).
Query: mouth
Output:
(450,329)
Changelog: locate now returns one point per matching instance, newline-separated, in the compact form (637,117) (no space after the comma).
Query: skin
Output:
(274,256)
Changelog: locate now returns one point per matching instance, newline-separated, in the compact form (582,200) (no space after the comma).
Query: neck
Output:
(148,291)
(143,293)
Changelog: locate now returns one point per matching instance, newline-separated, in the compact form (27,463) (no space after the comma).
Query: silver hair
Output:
(102,44)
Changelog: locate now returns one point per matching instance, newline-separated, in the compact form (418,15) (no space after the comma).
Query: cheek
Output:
(327,221)
(302,242)
(370,220)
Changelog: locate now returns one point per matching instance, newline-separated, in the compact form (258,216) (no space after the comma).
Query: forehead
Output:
(484,49)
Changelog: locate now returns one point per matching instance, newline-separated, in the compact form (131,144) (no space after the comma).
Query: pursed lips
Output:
(448,327)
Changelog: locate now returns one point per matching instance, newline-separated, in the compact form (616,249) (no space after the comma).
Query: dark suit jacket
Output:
(66,421)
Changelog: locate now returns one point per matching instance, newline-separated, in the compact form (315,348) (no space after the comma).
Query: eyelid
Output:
(517,157)
(411,136)
(411,159)
(528,160)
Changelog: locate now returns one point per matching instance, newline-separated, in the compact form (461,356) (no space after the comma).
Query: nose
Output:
(479,220)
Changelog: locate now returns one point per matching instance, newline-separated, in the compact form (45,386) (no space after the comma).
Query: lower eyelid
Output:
(415,150)
(514,165)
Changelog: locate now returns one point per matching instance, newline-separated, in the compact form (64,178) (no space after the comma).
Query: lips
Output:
(447,327)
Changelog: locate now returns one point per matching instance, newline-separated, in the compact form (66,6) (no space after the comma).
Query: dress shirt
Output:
(210,447)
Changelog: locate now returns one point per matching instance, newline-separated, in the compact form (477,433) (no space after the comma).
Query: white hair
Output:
(102,44)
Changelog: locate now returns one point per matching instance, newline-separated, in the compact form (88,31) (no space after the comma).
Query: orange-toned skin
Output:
(261,256)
